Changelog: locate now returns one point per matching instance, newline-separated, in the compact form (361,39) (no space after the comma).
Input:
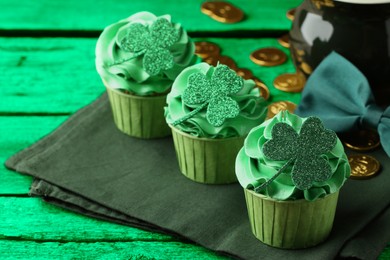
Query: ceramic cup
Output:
(357,29)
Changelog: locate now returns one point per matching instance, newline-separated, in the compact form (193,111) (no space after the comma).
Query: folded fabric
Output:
(340,95)
(88,166)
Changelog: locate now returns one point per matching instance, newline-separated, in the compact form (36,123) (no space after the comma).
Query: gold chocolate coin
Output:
(206,49)
(268,57)
(306,68)
(290,82)
(363,166)
(278,106)
(264,91)
(363,140)
(244,73)
(214,60)
(284,40)
(223,12)
(290,14)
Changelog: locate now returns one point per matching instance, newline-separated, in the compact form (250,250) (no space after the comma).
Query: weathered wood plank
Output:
(23,220)
(12,183)
(54,75)
(138,250)
(17,133)
(95,15)
(30,219)
(47,75)
(33,219)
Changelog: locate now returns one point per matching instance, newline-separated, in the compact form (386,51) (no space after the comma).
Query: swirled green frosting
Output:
(252,108)
(253,168)
(119,70)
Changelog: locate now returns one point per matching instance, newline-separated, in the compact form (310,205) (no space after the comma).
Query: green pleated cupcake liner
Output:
(204,160)
(290,224)
(138,116)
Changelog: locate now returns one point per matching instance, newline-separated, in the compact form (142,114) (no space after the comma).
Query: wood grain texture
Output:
(47,75)
(56,75)
(12,183)
(137,250)
(32,219)
(17,133)
(97,14)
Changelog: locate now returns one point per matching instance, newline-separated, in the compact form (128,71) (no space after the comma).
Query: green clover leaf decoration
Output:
(154,42)
(214,94)
(305,150)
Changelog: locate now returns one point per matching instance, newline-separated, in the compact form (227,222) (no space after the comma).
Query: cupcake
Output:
(210,111)
(138,59)
(292,169)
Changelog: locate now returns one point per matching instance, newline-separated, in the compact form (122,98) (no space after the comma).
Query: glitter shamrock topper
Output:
(154,42)
(213,92)
(304,150)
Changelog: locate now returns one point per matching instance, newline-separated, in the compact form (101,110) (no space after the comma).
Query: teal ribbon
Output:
(340,95)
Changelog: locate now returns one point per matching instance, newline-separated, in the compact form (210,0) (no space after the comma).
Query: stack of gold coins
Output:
(362,166)
(363,140)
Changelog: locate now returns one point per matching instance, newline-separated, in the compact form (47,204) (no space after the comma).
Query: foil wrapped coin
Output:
(289,82)
(363,166)
(291,14)
(264,91)
(214,60)
(268,57)
(284,40)
(244,73)
(206,49)
(278,106)
(223,12)
(363,140)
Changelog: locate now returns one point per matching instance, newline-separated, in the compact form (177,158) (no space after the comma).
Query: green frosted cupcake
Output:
(138,59)
(291,169)
(211,110)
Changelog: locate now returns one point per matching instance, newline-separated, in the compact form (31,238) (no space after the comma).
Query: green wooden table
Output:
(48,73)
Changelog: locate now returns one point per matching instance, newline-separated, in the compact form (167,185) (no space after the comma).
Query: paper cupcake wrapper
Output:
(139,116)
(204,160)
(291,224)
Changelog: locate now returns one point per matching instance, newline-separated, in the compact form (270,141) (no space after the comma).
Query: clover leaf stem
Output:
(265,184)
(135,55)
(189,115)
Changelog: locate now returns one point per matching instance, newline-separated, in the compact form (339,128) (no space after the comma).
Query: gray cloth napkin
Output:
(90,167)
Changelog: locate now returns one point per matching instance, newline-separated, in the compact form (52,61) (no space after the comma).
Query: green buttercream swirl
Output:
(119,70)
(252,107)
(253,168)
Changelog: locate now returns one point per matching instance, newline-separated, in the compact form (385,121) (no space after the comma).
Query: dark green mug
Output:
(357,29)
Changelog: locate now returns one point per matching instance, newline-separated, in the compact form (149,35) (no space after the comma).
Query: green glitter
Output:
(305,150)
(213,94)
(139,42)
(154,42)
